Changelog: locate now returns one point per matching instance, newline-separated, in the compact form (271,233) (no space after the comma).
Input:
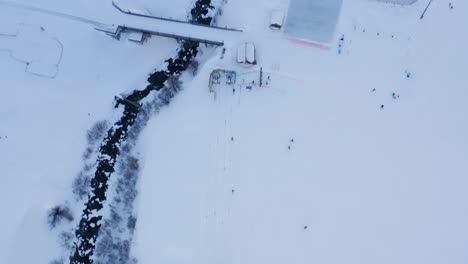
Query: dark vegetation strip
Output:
(90,223)
(128,12)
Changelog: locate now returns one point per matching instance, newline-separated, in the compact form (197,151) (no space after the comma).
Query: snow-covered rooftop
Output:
(246,53)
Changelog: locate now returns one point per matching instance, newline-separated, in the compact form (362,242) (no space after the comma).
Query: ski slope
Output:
(371,185)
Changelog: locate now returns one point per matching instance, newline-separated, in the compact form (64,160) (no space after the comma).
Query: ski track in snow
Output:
(32,46)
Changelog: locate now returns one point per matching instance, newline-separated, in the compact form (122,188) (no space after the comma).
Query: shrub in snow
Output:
(88,167)
(115,235)
(57,261)
(165,95)
(174,84)
(81,185)
(193,67)
(131,223)
(96,132)
(116,251)
(66,240)
(59,213)
(87,153)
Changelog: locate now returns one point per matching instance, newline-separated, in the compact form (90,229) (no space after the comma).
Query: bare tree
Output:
(174,83)
(193,67)
(66,240)
(57,214)
(81,185)
(96,132)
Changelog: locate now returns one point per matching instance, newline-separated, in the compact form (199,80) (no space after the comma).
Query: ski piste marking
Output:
(309,43)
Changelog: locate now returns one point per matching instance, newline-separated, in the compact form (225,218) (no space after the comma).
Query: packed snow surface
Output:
(174,9)
(313,20)
(360,183)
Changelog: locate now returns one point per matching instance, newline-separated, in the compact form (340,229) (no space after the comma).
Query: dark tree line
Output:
(167,83)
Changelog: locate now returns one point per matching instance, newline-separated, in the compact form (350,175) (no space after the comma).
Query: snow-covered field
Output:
(176,9)
(43,60)
(372,185)
(44,121)
(356,154)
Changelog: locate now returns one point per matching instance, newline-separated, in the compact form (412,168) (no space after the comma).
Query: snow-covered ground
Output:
(44,120)
(43,60)
(221,180)
(371,185)
(175,10)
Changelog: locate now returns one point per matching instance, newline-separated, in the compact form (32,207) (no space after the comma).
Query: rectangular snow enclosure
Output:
(246,53)
(313,20)
(276,20)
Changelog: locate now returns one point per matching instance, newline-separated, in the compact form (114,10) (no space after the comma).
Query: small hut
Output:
(246,54)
